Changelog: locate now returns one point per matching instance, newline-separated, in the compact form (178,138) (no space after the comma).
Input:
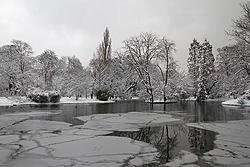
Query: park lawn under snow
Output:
(17,100)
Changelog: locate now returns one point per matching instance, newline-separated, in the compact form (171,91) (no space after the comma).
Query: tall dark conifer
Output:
(200,66)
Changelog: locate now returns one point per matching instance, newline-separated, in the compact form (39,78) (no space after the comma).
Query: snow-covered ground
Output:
(237,102)
(29,143)
(17,100)
(82,100)
(10,101)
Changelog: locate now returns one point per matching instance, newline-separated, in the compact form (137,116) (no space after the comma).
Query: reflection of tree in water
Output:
(164,138)
(201,140)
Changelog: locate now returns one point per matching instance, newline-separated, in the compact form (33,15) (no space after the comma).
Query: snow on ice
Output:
(232,142)
(28,143)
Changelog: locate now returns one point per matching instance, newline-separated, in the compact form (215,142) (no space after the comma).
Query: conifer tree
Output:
(201,66)
(193,64)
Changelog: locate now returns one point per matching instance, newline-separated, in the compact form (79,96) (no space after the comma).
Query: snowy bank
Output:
(18,100)
(243,100)
(15,100)
(237,102)
(72,100)
(162,101)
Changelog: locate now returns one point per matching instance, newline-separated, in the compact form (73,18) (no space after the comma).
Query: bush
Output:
(41,96)
(54,98)
(101,93)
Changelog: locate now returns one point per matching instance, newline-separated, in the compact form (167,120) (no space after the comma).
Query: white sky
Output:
(75,27)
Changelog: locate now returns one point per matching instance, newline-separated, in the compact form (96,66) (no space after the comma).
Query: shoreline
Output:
(22,100)
(235,102)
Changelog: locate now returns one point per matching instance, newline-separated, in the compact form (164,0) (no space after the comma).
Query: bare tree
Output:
(166,64)
(23,51)
(16,63)
(140,51)
(241,26)
(241,32)
(48,64)
(125,80)
(76,79)
(233,64)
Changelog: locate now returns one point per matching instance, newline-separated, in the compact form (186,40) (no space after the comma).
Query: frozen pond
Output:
(190,111)
(169,139)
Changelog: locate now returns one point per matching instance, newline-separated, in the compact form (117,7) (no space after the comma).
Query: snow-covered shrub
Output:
(101,93)
(246,95)
(54,96)
(42,96)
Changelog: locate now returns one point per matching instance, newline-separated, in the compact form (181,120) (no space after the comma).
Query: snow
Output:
(232,142)
(67,100)
(127,121)
(18,100)
(27,143)
(24,126)
(237,102)
(5,102)
(186,158)
(162,101)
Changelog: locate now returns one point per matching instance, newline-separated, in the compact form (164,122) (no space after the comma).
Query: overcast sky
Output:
(75,27)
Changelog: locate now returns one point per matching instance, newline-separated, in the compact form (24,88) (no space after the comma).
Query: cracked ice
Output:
(28,143)
(232,142)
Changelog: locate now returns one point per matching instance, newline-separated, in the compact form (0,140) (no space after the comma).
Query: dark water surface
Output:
(169,140)
(190,111)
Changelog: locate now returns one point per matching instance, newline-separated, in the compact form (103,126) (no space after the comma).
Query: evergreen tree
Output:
(193,64)
(201,66)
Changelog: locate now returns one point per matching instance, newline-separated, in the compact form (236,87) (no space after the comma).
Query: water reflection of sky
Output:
(170,140)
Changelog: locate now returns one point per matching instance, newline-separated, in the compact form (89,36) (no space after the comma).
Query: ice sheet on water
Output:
(232,142)
(41,143)
(127,121)
(184,159)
